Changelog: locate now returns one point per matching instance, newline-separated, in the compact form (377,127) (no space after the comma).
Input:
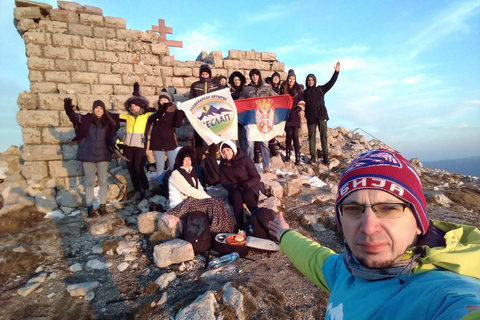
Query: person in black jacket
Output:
(163,138)
(316,113)
(198,88)
(241,179)
(96,134)
(237,81)
(292,125)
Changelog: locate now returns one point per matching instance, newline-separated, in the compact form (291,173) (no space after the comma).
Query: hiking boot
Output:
(287,156)
(297,159)
(313,159)
(91,212)
(267,170)
(103,209)
(325,159)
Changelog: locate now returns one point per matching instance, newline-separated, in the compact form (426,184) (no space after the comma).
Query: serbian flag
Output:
(213,116)
(264,117)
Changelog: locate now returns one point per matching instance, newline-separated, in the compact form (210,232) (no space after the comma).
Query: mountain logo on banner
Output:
(216,114)
(264,115)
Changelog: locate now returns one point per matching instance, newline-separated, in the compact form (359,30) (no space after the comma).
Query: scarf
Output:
(191,176)
(397,270)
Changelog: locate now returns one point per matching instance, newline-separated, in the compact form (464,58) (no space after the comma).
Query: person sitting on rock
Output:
(96,135)
(186,194)
(241,179)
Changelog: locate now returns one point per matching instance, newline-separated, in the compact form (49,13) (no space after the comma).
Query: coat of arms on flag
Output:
(264,117)
(213,116)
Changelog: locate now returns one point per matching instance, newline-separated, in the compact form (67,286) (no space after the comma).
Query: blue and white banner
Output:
(213,116)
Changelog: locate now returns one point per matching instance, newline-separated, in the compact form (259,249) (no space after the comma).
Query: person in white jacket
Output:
(186,194)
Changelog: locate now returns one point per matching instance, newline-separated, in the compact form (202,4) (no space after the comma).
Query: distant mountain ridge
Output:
(470,165)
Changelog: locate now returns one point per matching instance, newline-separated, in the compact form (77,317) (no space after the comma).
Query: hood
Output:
(314,79)
(182,153)
(204,67)
(243,80)
(460,255)
(230,144)
(142,102)
(260,81)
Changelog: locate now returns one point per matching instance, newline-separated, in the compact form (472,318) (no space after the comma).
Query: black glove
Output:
(298,109)
(67,105)
(242,186)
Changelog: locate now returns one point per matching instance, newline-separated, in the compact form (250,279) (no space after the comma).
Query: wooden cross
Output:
(163,30)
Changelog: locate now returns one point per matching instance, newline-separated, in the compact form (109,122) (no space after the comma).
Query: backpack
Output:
(196,230)
(212,171)
(259,220)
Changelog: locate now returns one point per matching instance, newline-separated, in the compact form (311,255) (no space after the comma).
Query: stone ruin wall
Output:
(75,51)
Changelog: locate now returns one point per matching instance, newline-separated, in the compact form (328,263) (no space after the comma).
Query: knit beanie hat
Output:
(228,144)
(387,171)
(98,103)
(291,73)
(164,94)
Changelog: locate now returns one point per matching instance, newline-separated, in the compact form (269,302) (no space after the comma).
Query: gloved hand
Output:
(242,186)
(67,105)
(298,109)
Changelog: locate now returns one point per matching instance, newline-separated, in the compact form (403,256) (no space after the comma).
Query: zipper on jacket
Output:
(133,130)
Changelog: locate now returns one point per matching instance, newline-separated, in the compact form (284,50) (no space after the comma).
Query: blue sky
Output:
(410,70)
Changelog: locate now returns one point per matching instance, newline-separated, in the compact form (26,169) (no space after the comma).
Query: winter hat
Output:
(254,71)
(164,94)
(136,99)
(228,144)
(387,171)
(184,152)
(98,103)
(291,73)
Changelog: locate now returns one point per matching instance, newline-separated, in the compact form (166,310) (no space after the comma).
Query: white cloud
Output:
(273,12)
(415,79)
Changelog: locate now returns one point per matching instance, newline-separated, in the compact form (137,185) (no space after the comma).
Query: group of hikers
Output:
(396,262)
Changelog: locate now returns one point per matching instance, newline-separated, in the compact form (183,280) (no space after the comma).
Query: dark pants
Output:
(312,137)
(136,165)
(200,150)
(292,134)
(237,199)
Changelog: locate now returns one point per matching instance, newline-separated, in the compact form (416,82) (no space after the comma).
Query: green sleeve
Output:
(307,256)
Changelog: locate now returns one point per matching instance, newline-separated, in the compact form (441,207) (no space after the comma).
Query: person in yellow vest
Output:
(135,143)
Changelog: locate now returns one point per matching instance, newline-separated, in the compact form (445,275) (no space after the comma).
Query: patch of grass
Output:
(467,198)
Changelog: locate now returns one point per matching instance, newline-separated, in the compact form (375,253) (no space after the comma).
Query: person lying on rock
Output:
(96,134)
(396,263)
(186,194)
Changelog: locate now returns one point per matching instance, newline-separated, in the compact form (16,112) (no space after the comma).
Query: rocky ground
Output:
(62,265)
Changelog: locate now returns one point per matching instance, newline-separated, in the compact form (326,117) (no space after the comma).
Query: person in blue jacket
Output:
(396,263)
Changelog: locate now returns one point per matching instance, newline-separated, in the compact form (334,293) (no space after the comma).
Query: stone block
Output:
(62,169)
(109,33)
(106,56)
(178,71)
(56,52)
(64,16)
(118,101)
(66,40)
(143,69)
(92,19)
(122,68)
(30,168)
(149,59)
(70,6)
(102,89)
(268,56)
(58,76)
(43,118)
(48,101)
(99,67)
(33,50)
(41,152)
(189,80)
(139,46)
(69,198)
(83,54)
(250,55)
(233,64)
(84,77)
(161,49)
(92,10)
(236,54)
(150,91)
(278,66)
(73,88)
(37,37)
(31,135)
(93,43)
(127,57)
(166,60)
(127,34)
(131,79)
(63,119)
(45,201)
(153,81)
(52,26)
(220,72)
(25,25)
(43,87)
(80,29)
(27,13)
(27,100)
(147,222)
(71,65)
(115,45)
(57,134)
(123,90)
(35,76)
(85,102)
(110,78)
(149,36)
(176,82)
(162,70)
(172,252)
(41,64)
(114,22)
